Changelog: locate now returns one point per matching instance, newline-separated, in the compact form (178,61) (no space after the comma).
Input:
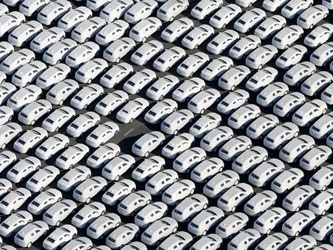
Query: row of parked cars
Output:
(197,172)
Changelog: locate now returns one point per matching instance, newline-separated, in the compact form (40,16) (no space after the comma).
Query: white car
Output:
(58,51)
(59,237)
(232,224)
(145,28)
(213,140)
(89,188)
(14,200)
(177,29)
(73,178)
(188,89)
(168,58)
(82,123)
(188,159)
(113,9)
(286,180)
(6,114)
(197,36)
(162,87)
(7,133)
(249,19)
(244,46)
(90,70)
(222,41)
(117,166)
(122,235)
(260,202)
(176,121)
(297,222)
(81,54)
(319,35)
(23,168)
(30,233)
(6,91)
(312,16)
(61,91)
(233,77)
(42,178)
(46,38)
(103,225)
(315,157)
(204,8)
(132,110)
(249,159)
(79,243)
(190,206)
(270,26)
(216,68)
(322,55)
(59,211)
(34,111)
(53,75)
(203,100)
(118,191)
(28,73)
(112,32)
(205,124)
(225,15)
(192,64)
(261,56)
(14,222)
(308,112)
(116,74)
(16,60)
(271,218)
(102,134)
(138,81)
(272,93)
(53,11)
(10,21)
(316,83)
(294,8)
(133,202)
(146,52)
(272,6)
(291,56)
(233,147)
(58,118)
(87,29)
(71,156)
(87,214)
(240,118)
(24,33)
(148,168)
(30,139)
(103,154)
(286,36)
(140,10)
(177,145)
(233,101)
(148,143)
(86,95)
(261,126)
(30,7)
(234,196)
(44,200)
(207,169)
(178,191)
(160,181)
(111,102)
(170,9)
(118,49)
(322,127)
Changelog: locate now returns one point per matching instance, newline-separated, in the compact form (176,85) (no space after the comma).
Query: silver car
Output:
(291,56)
(203,100)
(261,79)
(148,168)
(270,26)
(280,135)
(234,196)
(272,93)
(162,87)
(285,106)
(216,68)
(139,80)
(205,124)
(260,202)
(297,222)
(122,235)
(176,121)
(249,19)
(197,36)
(235,146)
(53,11)
(7,133)
(213,140)
(14,200)
(298,197)
(160,181)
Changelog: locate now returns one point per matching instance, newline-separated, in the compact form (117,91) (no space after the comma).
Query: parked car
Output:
(231,225)
(204,8)
(225,15)
(234,196)
(102,225)
(315,157)
(34,111)
(270,26)
(249,159)
(113,9)
(79,243)
(168,58)
(14,200)
(319,35)
(287,36)
(44,200)
(87,214)
(160,181)
(42,178)
(146,52)
(176,121)
(118,49)
(71,156)
(249,19)
(112,32)
(58,118)
(188,159)
(291,56)
(295,8)
(261,56)
(192,64)
(118,191)
(287,180)
(140,10)
(132,110)
(82,123)
(60,236)
(233,147)
(73,178)
(117,166)
(262,126)
(188,89)
(46,38)
(30,233)
(280,135)
(145,28)
(244,46)
(286,105)
(243,116)
(220,183)
(269,220)
(247,239)
(216,68)
(16,60)
(59,51)
(222,41)
(272,93)
(10,21)
(81,54)
(30,139)
(24,33)
(28,73)
(203,100)
(204,220)
(322,178)
(322,55)
(312,15)
(89,188)
(14,223)
(298,197)
(233,77)
(297,222)
(322,202)
(177,29)
(122,235)
(90,70)
(8,132)
(273,241)
(138,81)
(53,11)
(162,87)
(308,112)
(197,36)
(213,140)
